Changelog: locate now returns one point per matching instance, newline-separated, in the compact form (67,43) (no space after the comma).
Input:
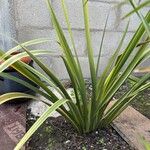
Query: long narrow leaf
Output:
(90,57)
(144,21)
(103,78)
(128,51)
(101,45)
(17,66)
(39,122)
(43,77)
(28,43)
(26,84)
(81,78)
(142,5)
(17,57)
(15,95)
(124,101)
(74,68)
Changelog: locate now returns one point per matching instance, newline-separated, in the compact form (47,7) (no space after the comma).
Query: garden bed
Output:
(57,134)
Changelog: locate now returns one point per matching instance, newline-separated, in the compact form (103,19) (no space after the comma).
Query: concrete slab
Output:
(132,125)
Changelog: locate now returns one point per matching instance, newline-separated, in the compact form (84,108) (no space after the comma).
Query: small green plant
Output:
(84,148)
(145,143)
(86,113)
(101,141)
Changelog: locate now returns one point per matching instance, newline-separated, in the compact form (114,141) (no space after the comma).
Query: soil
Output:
(57,134)
(141,102)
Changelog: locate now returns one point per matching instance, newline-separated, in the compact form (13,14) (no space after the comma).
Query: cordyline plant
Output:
(85,113)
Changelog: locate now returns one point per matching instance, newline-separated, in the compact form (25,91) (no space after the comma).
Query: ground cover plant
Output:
(85,113)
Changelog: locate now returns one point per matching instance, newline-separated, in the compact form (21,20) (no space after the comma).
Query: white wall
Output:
(32,21)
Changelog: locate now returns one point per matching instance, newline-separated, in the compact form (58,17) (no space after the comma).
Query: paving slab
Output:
(12,123)
(132,125)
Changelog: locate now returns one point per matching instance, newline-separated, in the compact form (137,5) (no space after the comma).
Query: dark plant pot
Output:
(7,85)
(12,86)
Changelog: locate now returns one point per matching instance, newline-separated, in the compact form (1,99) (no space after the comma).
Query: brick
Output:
(111,42)
(31,27)
(98,13)
(145,63)
(56,65)
(110,1)
(38,15)
(47,60)
(32,13)
(107,1)
(60,70)
(134,19)
(26,34)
